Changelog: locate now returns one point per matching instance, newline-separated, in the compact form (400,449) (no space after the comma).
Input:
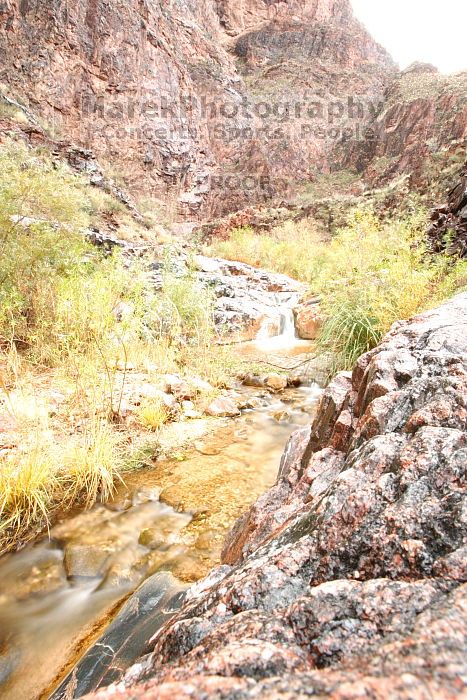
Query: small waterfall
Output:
(288,326)
(277,332)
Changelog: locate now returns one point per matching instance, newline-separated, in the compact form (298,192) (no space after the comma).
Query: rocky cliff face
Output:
(238,17)
(219,104)
(122,79)
(347,579)
(199,100)
(420,128)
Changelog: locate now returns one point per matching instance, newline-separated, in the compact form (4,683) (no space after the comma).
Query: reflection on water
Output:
(57,595)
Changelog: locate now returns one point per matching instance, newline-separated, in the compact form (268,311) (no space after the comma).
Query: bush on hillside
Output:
(374,273)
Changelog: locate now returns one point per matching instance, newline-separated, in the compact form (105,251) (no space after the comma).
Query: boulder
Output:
(223,407)
(308,320)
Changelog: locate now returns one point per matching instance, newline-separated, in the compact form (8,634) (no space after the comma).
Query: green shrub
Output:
(67,309)
(291,248)
(41,212)
(374,273)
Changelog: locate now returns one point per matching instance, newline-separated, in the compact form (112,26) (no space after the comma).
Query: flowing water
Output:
(163,531)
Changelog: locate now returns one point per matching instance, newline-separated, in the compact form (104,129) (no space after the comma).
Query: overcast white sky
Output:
(433,31)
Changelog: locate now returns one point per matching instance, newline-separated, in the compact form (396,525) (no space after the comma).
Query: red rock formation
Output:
(424,113)
(220,104)
(237,17)
(154,89)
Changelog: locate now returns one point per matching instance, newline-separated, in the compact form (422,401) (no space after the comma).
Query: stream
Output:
(113,572)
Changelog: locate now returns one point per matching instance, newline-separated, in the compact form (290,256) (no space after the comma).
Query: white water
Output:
(277,332)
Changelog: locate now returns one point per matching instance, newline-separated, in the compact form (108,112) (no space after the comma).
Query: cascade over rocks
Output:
(346,579)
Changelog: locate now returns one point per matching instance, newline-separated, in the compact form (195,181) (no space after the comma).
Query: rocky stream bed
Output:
(347,578)
(167,523)
(343,579)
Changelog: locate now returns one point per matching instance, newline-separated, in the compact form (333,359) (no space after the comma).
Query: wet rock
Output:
(247,298)
(127,568)
(206,539)
(152,538)
(223,407)
(253,380)
(253,402)
(45,577)
(348,578)
(86,560)
(281,416)
(276,382)
(187,568)
(308,320)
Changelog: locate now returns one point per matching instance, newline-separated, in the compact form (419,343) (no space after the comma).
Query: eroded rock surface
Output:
(154,87)
(347,578)
(448,230)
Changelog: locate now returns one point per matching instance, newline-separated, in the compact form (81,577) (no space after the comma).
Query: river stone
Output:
(276,382)
(86,560)
(152,538)
(127,568)
(45,577)
(206,540)
(223,407)
(253,380)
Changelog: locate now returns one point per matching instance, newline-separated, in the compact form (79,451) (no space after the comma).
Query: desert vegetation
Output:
(78,324)
(373,272)
(74,321)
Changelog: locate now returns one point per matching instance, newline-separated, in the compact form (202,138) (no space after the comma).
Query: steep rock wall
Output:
(154,87)
(219,104)
(420,129)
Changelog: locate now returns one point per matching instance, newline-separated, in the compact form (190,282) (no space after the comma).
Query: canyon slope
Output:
(218,104)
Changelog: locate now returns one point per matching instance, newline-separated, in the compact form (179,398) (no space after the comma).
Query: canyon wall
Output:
(220,104)
(213,103)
